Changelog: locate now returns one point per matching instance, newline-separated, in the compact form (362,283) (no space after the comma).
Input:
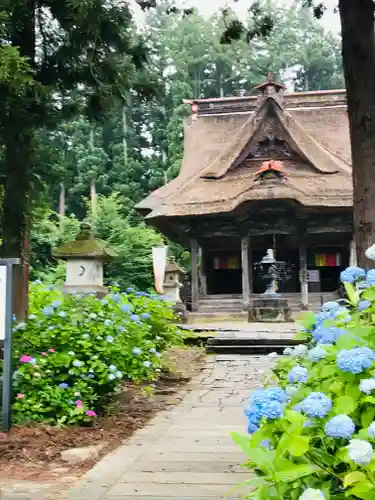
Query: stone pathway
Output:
(186,453)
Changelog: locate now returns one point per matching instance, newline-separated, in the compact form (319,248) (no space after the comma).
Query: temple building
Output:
(268,170)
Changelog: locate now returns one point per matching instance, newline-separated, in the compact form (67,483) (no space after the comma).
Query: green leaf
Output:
(367,416)
(306,320)
(345,405)
(346,342)
(295,472)
(353,477)
(299,445)
(362,490)
(263,459)
(351,293)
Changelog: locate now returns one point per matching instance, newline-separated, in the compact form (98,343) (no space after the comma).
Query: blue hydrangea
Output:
(355,360)
(109,339)
(91,375)
(370,277)
(134,317)
(86,336)
(363,305)
(360,451)
(351,274)
(367,385)
(266,443)
(56,304)
(130,289)
(125,308)
(93,316)
(251,428)
(316,405)
(340,426)
(299,351)
(137,350)
(316,354)
(147,364)
(298,374)
(118,375)
(268,403)
(108,322)
(77,363)
(291,390)
(371,430)
(47,311)
(115,297)
(145,316)
(112,368)
(63,385)
(328,334)
(32,316)
(330,306)
(111,376)
(288,351)
(153,350)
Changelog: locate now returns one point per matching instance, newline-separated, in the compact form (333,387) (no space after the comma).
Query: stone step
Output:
(247,349)
(251,341)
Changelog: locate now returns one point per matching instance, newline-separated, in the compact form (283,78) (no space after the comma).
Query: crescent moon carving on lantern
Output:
(82,272)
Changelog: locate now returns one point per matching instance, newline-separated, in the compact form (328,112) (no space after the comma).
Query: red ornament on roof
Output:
(271,166)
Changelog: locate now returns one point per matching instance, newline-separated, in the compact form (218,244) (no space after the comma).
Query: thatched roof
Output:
(217,173)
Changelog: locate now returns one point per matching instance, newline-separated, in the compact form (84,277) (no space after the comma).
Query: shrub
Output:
(312,428)
(73,352)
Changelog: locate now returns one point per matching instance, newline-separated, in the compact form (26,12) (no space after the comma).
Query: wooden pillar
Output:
(250,260)
(194,274)
(245,271)
(202,271)
(303,266)
(353,254)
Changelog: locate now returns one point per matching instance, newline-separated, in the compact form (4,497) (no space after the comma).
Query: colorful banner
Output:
(227,262)
(159,260)
(327,260)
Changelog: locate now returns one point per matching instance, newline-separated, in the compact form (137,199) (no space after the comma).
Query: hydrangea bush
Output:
(312,427)
(74,352)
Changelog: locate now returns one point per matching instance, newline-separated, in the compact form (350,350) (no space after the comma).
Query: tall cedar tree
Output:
(77,52)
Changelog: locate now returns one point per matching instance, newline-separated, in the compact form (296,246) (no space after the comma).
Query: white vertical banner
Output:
(159,260)
(3,298)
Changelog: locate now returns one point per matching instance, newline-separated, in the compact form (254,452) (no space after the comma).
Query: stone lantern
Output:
(172,286)
(85,257)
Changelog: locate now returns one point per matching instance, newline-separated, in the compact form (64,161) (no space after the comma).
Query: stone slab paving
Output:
(247,330)
(185,453)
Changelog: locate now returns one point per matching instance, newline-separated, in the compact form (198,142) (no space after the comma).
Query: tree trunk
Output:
(18,157)
(358,50)
(15,210)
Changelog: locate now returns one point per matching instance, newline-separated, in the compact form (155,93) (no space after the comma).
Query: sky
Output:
(207,7)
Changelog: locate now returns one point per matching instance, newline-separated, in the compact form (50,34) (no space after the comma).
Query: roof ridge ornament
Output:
(270,88)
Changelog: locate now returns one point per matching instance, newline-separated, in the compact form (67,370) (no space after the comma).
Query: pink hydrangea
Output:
(79,403)
(91,413)
(44,354)
(51,350)
(25,359)
(20,396)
